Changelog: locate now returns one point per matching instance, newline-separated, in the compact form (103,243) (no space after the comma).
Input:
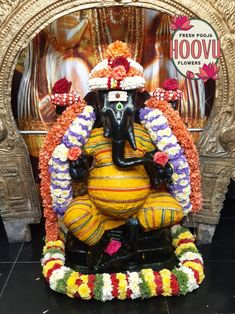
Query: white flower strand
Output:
(77,135)
(107,288)
(161,134)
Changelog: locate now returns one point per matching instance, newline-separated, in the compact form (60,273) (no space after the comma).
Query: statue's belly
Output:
(118,193)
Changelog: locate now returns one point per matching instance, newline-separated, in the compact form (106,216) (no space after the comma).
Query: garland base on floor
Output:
(130,285)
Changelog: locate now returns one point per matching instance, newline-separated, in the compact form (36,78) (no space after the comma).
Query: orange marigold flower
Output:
(101,73)
(118,48)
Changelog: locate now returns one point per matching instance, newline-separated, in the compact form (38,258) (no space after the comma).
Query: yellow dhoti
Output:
(87,223)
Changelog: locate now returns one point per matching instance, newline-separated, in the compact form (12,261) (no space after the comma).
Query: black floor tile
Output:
(8,252)
(4,272)
(32,251)
(215,295)
(26,295)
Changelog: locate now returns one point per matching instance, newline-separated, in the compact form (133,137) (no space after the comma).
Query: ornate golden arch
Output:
(21,21)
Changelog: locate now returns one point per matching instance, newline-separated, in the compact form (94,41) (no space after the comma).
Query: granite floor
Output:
(24,291)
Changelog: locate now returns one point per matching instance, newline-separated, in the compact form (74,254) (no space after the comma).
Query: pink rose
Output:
(119,72)
(113,247)
(170,84)
(74,153)
(160,158)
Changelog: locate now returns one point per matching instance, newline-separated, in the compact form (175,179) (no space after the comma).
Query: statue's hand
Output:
(158,174)
(79,168)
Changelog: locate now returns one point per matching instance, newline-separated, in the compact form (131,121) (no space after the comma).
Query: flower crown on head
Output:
(117,71)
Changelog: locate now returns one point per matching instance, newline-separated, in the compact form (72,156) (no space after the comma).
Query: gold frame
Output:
(21,21)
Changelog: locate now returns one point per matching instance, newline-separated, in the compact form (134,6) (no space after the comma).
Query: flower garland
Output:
(161,134)
(169,91)
(75,137)
(167,95)
(144,284)
(65,99)
(118,71)
(186,142)
(104,77)
(53,139)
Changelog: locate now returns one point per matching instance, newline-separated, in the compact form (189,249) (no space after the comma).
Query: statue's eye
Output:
(119,106)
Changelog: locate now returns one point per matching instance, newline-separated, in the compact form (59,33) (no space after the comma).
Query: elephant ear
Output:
(92,99)
(141,98)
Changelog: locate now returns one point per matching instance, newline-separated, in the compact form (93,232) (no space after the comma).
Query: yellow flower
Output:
(184,235)
(175,176)
(113,84)
(149,278)
(72,288)
(121,276)
(50,265)
(166,282)
(184,246)
(84,291)
(57,243)
(84,278)
(198,267)
(122,285)
(122,296)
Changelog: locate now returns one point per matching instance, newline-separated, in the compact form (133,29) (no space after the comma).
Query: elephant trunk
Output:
(118,155)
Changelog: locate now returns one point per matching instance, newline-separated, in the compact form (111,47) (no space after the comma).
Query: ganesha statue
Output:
(138,173)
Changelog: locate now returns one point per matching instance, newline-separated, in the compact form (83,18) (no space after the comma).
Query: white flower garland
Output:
(99,83)
(77,135)
(161,134)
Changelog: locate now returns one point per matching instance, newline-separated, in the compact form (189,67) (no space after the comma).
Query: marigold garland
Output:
(144,284)
(51,141)
(184,137)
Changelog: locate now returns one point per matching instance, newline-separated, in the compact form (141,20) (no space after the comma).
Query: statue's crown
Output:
(117,71)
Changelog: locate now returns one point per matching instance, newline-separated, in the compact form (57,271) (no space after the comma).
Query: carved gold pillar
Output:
(18,197)
(22,20)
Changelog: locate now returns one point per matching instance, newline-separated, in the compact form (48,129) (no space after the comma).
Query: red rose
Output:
(170,84)
(61,86)
(160,158)
(113,247)
(74,153)
(120,61)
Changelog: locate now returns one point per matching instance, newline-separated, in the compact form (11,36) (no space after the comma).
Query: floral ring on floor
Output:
(143,284)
